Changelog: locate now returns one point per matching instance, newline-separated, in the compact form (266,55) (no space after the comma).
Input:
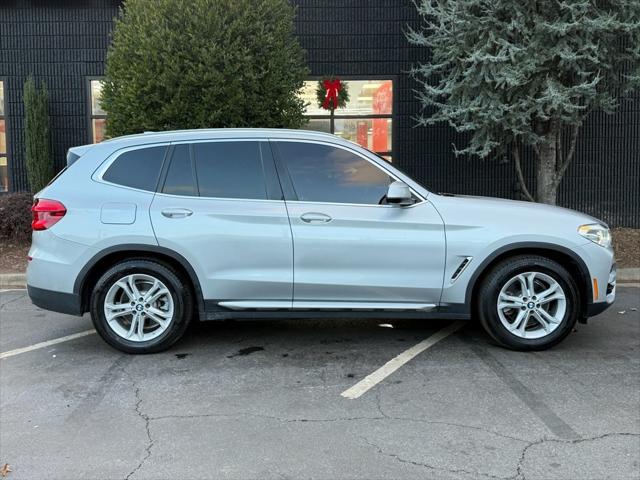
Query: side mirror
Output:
(399,193)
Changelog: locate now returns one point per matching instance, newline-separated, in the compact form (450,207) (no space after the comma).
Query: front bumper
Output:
(594,308)
(69,303)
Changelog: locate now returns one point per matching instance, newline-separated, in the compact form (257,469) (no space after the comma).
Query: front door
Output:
(351,250)
(221,208)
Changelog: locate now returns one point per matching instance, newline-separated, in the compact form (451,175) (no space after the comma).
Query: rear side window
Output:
(229,170)
(180,179)
(138,168)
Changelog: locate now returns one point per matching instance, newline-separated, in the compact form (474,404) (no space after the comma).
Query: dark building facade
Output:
(64,43)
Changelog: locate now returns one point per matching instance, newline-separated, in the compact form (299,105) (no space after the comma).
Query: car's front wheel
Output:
(528,303)
(141,306)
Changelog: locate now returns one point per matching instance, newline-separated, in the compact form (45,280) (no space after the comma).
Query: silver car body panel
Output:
(253,254)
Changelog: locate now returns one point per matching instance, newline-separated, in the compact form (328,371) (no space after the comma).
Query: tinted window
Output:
(229,170)
(137,168)
(179,179)
(321,173)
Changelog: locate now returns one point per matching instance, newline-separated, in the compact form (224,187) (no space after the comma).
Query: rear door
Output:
(221,207)
(350,249)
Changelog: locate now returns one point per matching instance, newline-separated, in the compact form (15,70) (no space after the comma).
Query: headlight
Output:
(596,233)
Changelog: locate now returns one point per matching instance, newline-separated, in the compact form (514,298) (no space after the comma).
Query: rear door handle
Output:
(176,212)
(314,217)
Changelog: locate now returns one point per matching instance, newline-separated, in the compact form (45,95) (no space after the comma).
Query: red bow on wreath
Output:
(332,87)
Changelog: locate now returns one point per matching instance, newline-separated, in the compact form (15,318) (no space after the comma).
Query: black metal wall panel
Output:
(64,42)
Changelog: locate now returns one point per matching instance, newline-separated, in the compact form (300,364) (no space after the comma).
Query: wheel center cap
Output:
(139,307)
(530,305)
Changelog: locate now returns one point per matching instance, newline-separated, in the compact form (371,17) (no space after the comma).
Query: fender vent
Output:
(460,269)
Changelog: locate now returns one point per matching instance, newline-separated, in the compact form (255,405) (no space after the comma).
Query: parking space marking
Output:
(37,346)
(370,381)
(12,290)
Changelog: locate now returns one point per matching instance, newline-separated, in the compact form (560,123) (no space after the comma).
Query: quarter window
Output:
(4,163)
(97,116)
(138,168)
(322,173)
(365,120)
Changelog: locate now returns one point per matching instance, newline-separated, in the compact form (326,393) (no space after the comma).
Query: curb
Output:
(19,280)
(13,280)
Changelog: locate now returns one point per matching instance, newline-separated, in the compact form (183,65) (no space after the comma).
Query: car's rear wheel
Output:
(528,303)
(141,306)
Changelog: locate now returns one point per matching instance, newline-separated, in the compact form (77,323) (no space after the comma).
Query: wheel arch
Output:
(568,258)
(90,273)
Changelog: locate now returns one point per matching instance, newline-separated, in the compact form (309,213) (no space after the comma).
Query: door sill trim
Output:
(310,305)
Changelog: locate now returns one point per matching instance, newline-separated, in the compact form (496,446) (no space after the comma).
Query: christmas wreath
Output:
(332,93)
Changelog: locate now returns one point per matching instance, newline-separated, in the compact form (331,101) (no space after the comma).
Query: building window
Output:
(366,120)
(4,159)
(97,116)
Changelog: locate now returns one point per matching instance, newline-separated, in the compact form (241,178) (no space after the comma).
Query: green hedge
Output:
(176,64)
(38,158)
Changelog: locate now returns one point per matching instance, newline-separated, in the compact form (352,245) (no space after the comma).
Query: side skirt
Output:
(214,312)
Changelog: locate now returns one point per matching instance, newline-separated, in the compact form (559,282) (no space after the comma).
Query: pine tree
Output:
(39,162)
(177,64)
(525,72)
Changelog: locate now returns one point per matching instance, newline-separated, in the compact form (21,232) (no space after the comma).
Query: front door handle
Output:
(313,217)
(176,212)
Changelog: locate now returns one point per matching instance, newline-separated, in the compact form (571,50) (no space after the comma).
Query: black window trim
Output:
(292,196)
(5,117)
(273,194)
(90,115)
(394,108)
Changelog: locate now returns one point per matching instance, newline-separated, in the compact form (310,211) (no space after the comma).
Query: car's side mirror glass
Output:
(399,193)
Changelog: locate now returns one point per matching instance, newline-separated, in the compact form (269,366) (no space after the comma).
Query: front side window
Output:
(98,116)
(230,170)
(4,163)
(366,119)
(139,168)
(322,173)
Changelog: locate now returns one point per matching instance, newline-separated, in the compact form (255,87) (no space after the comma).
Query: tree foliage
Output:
(525,72)
(38,159)
(177,64)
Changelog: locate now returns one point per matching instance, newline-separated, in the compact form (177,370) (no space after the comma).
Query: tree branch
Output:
(516,157)
(572,150)
(559,149)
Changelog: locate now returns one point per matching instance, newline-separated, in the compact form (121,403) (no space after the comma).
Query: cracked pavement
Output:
(261,400)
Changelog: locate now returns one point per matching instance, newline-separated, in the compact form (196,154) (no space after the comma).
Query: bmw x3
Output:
(148,232)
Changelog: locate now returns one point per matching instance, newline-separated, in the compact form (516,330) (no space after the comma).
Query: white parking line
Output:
(48,343)
(12,290)
(394,364)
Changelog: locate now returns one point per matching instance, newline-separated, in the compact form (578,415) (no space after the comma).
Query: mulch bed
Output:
(13,255)
(626,243)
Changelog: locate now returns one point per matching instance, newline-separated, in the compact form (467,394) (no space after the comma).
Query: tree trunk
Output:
(547,175)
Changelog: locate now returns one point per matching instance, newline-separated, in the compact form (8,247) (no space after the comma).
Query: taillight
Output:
(46,213)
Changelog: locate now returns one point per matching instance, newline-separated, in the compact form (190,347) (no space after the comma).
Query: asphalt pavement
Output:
(262,400)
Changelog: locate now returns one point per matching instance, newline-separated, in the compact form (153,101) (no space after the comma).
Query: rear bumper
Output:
(69,303)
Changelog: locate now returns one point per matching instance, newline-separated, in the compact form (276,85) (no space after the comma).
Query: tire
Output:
(159,322)
(517,322)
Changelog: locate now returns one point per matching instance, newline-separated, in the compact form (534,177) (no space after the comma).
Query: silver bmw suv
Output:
(147,232)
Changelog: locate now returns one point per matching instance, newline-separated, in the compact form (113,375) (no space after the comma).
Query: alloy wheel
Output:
(138,307)
(531,305)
